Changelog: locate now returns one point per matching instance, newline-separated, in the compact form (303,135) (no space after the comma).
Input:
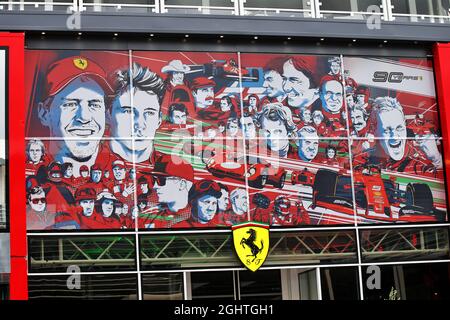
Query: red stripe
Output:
(16,161)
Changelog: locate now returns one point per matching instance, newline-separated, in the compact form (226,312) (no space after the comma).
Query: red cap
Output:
(118,163)
(64,71)
(202,82)
(173,166)
(84,168)
(85,194)
(95,167)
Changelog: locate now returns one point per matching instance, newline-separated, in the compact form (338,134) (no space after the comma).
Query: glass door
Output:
(301,284)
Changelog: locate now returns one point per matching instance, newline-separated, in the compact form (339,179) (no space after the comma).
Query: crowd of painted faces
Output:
(78,181)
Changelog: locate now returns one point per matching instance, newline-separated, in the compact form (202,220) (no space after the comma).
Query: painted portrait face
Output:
(297,86)
(233,128)
(249,127)
(392,129)
(165,193)
(77,115)
(87,206)
(335,68)
(38,202)
(358,120)
(308,146)
(273,83)
(317,117)
(207,208)
(276,134)
(252,101)
(69,172)
(224,106)
(119,173)
(306,114)
(84,173)
(140,120)
(178,117)
(35,153)
(224,200)
(204,97)
(177,78)
(331,153)
(239,202)
(332,96)
(96,175)
(107,207)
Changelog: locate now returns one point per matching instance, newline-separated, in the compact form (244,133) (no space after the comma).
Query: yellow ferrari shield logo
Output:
(80,63)
(251,242)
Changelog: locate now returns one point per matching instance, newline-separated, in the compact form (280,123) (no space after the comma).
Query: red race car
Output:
(304,177)
(258,173)
(374,194)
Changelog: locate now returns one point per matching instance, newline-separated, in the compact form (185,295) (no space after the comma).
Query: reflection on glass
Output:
(212,285)
(91,287)
(53,254)
(261,285)
(162,286)
(339,283)
(404,244)
(408,282)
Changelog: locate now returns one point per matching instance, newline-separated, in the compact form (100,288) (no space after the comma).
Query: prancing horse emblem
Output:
(251,242)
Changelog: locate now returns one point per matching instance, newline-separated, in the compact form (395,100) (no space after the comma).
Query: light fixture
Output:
(43,33)
(186,36)
(221,37)
(116,34)
(354,40)
(151,34)
(289,38)
(385,41)
(80,33)
(255,37)
(322,39)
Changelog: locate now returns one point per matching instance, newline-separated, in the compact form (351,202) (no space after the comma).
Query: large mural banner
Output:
(175,140)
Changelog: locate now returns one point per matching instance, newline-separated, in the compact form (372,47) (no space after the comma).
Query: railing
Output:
(305,8)
(37,5)
(96,6)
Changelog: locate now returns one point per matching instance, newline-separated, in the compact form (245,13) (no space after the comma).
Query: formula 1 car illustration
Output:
(304,177)
(374,194)
(257,172)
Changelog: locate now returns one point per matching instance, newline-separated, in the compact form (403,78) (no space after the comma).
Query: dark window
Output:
(339,283)
(162,286)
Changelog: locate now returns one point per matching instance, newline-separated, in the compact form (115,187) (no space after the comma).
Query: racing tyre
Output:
(419,195)
(259,183)
(280,184)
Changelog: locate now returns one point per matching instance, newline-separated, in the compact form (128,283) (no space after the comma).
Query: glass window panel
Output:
(216,250)
(4,253)
(432,7)
(162,286)
(339,283)
(91,287)
(261,285)
(94,253)
(212,285)
(404,244)
(408,282)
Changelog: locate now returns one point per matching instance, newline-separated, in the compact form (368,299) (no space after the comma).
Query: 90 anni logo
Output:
(393,77)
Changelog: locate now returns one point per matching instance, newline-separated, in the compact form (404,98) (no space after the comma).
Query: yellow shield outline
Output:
(80,63)
(252,247)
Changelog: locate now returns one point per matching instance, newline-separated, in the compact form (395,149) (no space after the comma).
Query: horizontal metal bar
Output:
(118,5)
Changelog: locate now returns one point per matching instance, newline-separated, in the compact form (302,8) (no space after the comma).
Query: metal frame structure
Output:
(237,7)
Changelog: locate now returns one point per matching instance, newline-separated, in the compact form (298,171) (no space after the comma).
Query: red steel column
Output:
(15,110)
